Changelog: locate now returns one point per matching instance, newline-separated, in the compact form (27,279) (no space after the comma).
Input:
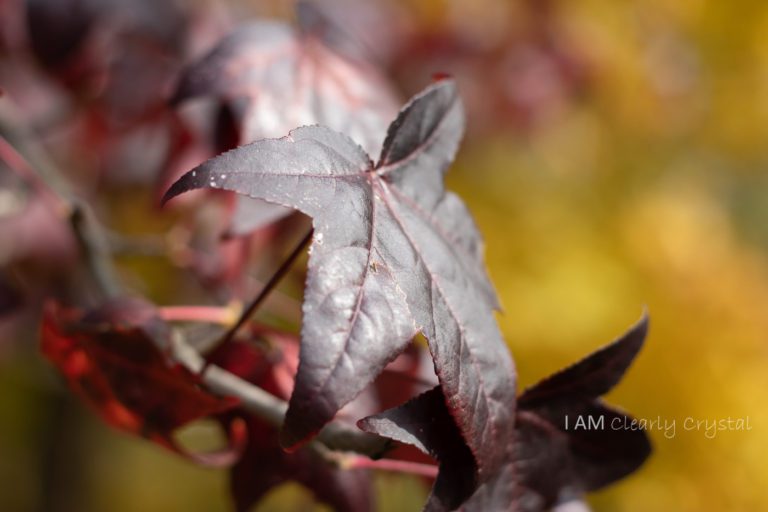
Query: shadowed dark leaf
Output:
(410,374)
(554,459)
(586,459)
(110,359)
(393,253)
(264,464)
(594,375)
(424,422)
(58,29)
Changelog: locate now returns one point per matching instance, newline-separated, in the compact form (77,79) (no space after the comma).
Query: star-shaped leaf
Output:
(393,253)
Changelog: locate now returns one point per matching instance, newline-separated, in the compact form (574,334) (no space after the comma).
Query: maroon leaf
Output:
(425,422)
(58,29)
(70,39)
(265,465)
(274,78)
(355,29)
(410,374)
(110,359)
(587,459)
(393,253)
(594,375)
(271,364)
(554,460)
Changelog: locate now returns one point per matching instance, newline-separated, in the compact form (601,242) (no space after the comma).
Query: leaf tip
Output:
(183,184)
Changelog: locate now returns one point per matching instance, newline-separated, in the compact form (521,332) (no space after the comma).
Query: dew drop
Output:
(319,239)
(194,173)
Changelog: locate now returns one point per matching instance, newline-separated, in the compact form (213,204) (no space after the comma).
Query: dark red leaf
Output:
(392,253)
(354,28)
(554,461)
(58,29)
(111,360)
(410,374)
(264,463)
(69,39)
(550,440)
(593,376)
(270,364)
(424,422)
(273,78)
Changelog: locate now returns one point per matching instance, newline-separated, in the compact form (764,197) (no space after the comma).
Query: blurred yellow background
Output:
(648,187)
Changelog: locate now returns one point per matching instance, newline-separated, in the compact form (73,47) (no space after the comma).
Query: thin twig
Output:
(20,137)
(94,248)
(399,466)
(268,287)
(336,436)
(17,163)
(209,314)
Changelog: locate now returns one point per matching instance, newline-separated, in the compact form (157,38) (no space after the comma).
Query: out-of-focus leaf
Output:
(78,41)
(355,29)
(264,464)
(289,79)
(591,377)
(58,29)
(111,360)
(393,253)
(273,78)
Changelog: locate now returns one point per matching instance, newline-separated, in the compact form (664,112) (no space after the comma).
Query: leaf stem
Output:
(268,287)
(20,165)
(260,403)
(90,239)
(210,314)
(399,466)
